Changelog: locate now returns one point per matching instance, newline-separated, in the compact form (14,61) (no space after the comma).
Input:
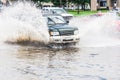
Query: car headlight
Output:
(54,33)
(76,32)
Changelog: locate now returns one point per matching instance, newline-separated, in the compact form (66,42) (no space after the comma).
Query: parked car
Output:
(60,31)
(57,10)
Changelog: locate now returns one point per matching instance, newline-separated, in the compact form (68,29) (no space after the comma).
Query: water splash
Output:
(97,31)
(23,22)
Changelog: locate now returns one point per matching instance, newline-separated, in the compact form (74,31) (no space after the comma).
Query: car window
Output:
(59,11)
(57,19)
(50,22)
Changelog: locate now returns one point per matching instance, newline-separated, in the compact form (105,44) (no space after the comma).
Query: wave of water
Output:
(23,22)
(98,31)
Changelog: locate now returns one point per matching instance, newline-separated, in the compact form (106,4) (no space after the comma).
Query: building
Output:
(95,4)
(110,4)
(102,3)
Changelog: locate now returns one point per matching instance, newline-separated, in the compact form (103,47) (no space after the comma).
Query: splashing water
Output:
(23,22)
(98,31)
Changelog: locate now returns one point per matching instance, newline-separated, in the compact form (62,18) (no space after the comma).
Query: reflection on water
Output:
(33,53)
(42,63)
(28,51)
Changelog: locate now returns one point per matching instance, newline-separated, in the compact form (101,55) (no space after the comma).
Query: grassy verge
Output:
(84,13)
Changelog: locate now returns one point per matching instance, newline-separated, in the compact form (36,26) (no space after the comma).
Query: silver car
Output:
(57,10)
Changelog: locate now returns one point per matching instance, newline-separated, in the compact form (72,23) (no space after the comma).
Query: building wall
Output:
(110,4)
(94,5)
(118,1)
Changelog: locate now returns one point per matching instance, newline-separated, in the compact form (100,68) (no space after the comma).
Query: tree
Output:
(77,2)
(39,2)
(60,3)
(56,2)
(80,2)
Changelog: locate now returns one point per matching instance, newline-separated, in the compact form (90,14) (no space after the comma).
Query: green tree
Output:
(60,3)
(80,3)
(39,2)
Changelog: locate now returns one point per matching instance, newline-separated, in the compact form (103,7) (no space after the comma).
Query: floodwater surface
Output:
(37,63)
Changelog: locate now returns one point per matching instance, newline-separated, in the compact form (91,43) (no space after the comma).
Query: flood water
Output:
(96,57)
(37,63)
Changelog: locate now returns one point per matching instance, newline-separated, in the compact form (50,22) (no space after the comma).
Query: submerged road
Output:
(96,58)
(41,63)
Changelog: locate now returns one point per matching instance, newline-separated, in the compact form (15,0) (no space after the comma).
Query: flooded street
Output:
(36,63)
(95,57)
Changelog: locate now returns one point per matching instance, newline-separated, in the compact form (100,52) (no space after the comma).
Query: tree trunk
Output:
(60,3)
(78,6)
(67,4)
(83,5)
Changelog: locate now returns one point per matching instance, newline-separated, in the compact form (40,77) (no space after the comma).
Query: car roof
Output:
(52,8)
(46,15)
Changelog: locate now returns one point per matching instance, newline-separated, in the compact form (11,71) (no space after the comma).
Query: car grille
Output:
(68,40)
(66,32)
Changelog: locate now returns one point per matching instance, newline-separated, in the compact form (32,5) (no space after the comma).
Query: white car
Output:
(57,10)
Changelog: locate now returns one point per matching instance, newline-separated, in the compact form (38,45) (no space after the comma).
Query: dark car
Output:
(60,31)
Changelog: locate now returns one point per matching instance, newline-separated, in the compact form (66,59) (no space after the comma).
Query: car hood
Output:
(63,27)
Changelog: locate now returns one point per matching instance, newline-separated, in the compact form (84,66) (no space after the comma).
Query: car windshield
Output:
(59,11)
(57,19)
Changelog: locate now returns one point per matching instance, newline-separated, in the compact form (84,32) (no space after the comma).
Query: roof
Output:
(52,8)
(51,15)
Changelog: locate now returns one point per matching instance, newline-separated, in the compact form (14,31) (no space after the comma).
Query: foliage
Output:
(82,12)
(59,2)
(63,3)
(40,0)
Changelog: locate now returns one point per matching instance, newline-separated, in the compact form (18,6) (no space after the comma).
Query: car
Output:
(60,31)
(57,10)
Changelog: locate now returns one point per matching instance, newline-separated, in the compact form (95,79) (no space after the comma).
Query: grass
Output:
(84,13)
